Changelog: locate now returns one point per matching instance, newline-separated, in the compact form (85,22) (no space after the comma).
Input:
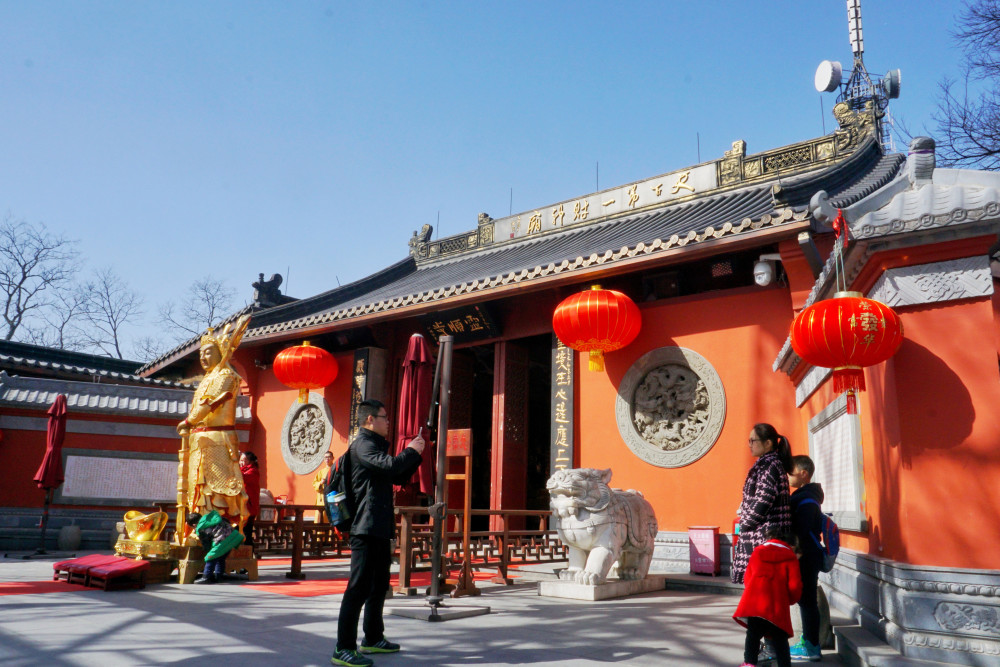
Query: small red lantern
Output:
(847,333)
(305,367)
(597,321)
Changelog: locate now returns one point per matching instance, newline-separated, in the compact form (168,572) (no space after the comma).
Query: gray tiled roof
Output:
(738,211)
(29,358)
(90,397)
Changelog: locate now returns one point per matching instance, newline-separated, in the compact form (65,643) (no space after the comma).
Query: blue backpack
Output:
(831,539)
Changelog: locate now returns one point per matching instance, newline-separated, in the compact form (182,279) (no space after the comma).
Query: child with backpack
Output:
(808,522)
(772,585)
(218,538)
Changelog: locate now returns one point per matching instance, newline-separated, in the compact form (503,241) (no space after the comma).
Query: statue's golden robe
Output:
(214,477)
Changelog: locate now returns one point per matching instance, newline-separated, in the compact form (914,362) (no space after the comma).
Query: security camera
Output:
(763,273)
(763,270)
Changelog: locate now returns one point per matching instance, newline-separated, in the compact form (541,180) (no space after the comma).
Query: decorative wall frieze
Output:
(940,614)
(670,407)
(965,278)
(306,434)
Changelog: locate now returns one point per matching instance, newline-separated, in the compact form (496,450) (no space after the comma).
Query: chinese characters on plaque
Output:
(563,358)
(595,206)
(465,324)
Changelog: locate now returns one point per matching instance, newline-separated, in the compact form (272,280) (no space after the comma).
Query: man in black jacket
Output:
(372,473)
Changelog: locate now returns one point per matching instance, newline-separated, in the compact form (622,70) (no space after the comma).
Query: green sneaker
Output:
(343,656)
(381,646)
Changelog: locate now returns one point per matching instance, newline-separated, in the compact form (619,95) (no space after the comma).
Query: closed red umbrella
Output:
(50,473)
(414,404)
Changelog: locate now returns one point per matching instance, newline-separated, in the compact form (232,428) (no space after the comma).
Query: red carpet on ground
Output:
(316,587)
(33,587)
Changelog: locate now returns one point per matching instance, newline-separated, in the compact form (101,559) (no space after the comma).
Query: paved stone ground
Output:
(229,624)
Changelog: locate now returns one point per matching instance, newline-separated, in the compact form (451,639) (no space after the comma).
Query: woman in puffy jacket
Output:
(766,505)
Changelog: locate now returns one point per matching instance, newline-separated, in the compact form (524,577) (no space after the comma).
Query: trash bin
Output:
(703,544)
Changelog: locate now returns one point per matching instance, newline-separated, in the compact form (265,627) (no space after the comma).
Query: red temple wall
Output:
(739,332)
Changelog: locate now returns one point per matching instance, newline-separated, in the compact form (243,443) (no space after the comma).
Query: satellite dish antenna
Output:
(828,76)
(890,83)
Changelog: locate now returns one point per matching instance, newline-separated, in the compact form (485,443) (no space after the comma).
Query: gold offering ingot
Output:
(144,527)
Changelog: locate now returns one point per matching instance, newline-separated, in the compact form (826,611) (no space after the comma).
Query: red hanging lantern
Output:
(847,333)
(597,321)
(305,367)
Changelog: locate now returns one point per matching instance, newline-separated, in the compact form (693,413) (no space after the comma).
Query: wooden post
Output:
(296,571)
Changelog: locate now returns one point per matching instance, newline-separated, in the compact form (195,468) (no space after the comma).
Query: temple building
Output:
(719,257)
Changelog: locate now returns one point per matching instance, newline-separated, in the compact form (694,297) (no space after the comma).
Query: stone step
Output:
(859,648)
(699,583)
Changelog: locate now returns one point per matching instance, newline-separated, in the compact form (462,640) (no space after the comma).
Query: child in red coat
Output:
(772,585)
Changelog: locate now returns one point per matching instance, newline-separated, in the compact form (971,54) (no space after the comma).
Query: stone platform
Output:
(613,588)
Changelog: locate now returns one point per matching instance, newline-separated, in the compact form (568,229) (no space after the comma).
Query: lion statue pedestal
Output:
(602,527)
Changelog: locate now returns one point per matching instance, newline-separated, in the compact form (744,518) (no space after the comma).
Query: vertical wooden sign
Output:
(563,388)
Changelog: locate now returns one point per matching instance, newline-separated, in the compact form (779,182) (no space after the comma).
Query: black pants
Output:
(248,531)
(371,558)
(809,602)
(757,629)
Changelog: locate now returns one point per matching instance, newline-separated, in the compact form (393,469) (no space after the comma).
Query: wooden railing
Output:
(499,549)
(487,549)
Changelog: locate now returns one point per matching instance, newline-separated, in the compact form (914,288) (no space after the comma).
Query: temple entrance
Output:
(502,392)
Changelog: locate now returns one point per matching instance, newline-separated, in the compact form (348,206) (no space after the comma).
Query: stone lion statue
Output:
(601,526)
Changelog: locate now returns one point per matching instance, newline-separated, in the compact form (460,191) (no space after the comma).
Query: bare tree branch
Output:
(59,325)
(110,306)
(968,116)
(208,301)
(33,265)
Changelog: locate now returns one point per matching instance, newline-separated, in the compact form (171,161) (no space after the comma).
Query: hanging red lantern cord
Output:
(597,321)
(848,332)
(305,367)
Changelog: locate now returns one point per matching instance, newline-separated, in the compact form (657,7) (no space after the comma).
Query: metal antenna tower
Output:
(860,89)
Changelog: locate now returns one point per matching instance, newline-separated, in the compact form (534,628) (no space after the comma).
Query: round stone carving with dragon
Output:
(671,407)
(306,434)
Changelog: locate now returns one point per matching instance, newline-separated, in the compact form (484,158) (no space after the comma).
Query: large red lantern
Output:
(847,333)
(597,321)
(305,367)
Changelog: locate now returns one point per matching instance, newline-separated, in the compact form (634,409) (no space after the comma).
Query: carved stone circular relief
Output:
(306,434)
(671,407)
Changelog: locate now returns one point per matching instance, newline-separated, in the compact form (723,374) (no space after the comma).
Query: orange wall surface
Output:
(739,332)
(930,430)
(271,403)
(21,454)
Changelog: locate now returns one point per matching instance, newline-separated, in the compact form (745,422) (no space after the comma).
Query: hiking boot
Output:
(381,646)
(342,656)
(805,651)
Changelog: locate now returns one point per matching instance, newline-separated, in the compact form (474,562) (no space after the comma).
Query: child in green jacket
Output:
(218,538)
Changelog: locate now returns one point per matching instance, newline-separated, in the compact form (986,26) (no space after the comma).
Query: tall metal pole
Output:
(438,510)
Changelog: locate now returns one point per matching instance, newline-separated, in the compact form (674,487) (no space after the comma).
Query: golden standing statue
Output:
(209,476)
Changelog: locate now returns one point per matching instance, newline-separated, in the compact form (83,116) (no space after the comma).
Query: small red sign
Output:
(459,441)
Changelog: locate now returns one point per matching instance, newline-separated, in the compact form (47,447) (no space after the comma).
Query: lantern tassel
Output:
(303,395)
(852,403)
(596,361)
(847,378)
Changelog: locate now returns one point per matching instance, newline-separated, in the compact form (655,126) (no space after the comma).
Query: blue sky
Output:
(181,139)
